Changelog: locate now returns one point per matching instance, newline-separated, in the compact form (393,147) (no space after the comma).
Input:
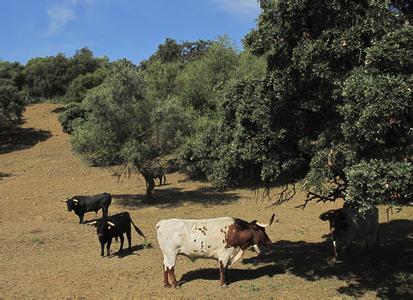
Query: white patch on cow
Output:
(196,239)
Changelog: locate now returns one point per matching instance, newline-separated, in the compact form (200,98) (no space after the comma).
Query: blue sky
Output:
(130,29)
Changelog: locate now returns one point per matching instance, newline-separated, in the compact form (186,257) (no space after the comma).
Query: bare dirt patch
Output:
(44,252)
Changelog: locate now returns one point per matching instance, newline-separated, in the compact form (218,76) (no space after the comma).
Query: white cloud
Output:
(61,13)
(238,7)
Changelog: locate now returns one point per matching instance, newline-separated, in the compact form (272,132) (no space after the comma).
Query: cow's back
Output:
(95,202)
(361,225)
(364,222)
(194,238)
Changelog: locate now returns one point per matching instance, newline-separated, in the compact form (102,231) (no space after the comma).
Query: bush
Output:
(11,102)
(73,114)
(79,86)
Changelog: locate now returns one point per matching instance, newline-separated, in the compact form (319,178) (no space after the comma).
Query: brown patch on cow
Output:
(194,241)
(157,227)
(240,234)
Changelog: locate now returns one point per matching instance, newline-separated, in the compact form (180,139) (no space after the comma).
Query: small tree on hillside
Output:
(124,127)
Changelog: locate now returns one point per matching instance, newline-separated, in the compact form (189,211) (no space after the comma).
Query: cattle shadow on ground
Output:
(18,138)
(2,175)
(127,252)
(173,197)
(233,274)
(388,270)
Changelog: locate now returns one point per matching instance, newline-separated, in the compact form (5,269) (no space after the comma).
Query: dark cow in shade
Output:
(224,239)
(348,224)
(83,204)
(113,227)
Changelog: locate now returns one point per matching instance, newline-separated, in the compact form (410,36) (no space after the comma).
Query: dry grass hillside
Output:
(44,252)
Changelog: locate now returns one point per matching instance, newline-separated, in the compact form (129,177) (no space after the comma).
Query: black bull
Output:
(113,227)
(83,204)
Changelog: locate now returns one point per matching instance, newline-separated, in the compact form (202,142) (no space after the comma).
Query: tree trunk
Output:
(150,186)
(150,183)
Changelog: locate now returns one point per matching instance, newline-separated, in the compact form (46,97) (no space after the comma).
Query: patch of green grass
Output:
(250,287)
(38,240)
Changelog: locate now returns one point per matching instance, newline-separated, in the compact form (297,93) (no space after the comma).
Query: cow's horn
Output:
(91,223)
(269,224)
(75,200)
(111,224)
(64,200)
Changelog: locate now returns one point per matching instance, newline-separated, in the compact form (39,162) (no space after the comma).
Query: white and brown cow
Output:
(224,239)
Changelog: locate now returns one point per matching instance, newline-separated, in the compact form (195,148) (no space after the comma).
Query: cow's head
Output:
(260,236)
(102,226)
(245,234)
(71,203)
(337,219)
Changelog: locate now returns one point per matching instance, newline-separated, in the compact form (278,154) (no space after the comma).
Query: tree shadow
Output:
(233,275)
(174,197)
(58,110)
(18,138)
(388,269)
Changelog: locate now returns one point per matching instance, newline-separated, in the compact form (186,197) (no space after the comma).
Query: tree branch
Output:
(335,194)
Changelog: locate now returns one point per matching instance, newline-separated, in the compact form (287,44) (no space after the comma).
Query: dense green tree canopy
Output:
(12,98)
(333,109)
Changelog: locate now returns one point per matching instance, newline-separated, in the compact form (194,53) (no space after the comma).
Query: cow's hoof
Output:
(176,286)
(224,285)
(166,285)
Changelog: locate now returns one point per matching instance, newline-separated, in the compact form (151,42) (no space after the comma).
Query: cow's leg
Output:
(81,215)
(335,258)
(223,273)
(129,237)
(104,212)
(165,277)
(108,247)
(121,242)
(171,272)
(102,247)
(169,261)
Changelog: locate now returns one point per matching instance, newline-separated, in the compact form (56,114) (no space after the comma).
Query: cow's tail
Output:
(138,230)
